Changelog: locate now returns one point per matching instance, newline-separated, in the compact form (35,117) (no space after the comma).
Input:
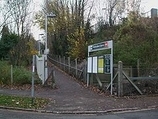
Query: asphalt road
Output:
(10,114)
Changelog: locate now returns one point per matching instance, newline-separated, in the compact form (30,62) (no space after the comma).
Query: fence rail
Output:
(72,67)
(143,84)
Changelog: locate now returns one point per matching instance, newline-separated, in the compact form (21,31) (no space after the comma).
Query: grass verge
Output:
(22,102)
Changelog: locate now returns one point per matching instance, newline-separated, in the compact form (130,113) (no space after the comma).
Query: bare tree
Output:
(19,12)
(20,23)
(117,9)
(5,14)
(114,9)
(133,5)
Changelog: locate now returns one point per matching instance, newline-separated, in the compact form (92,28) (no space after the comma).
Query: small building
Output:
(154,12)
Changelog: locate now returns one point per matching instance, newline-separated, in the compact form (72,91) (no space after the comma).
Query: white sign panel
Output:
(95,63)
(92,65)
(89,68)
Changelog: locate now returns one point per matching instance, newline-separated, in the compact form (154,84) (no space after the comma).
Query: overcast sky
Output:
(148,4)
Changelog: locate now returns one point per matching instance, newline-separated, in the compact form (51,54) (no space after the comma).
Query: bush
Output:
(4,73)
(20,74)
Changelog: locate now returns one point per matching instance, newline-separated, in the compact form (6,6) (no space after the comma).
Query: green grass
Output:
(22,102)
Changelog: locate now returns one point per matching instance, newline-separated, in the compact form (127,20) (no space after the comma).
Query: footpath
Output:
(72,97)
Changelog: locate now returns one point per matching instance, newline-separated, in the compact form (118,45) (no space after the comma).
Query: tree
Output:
(7,42)
(78,45)
(19,14)
(114,10)
(5,14)
(19,11)
(70,21)
(133,5)
(137,39)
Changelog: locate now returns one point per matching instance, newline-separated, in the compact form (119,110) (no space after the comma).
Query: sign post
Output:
(101,64)
(33,73)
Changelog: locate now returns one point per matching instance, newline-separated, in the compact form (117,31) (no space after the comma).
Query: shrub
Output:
(20,74)
(4,72)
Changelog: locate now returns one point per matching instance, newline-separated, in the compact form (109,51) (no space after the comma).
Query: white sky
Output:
(146,6)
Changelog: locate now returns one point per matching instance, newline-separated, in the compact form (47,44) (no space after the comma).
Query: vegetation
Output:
(16,42)
(70,32)
(67,32)
(20,74)
(136,39)
(22,102)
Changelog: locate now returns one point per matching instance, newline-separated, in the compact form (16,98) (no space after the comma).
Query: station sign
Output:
(100,64)
(100,46)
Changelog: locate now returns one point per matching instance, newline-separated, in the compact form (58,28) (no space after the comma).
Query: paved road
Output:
(6,114)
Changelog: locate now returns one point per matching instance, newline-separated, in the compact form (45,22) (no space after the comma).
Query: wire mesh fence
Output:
(146,79)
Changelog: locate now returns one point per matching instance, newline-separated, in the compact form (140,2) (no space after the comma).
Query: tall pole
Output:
(11,75)
(46,49)
(111,66)
(46,23)
(33,71)
(46,42)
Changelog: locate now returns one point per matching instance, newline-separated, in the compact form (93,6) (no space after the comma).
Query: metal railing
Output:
(72,67)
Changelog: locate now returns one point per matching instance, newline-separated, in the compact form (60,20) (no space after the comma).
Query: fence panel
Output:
(72,67)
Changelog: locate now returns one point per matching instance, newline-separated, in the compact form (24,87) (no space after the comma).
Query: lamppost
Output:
(46,51)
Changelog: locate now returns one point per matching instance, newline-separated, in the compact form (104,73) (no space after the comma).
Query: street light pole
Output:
(46,23)
(46,43)
(45,51)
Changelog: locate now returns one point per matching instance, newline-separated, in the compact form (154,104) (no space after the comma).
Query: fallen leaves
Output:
(22,102)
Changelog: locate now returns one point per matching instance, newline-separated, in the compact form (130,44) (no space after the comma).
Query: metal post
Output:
(11,75)
(111,66)
(33,70)
(85,72)
(64,63)
(46,52)
(44,71)
(120,79)
(46,22)
(87,68)
(69,63)
(76,66)
(59,61)
(138,67)
(87,79)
